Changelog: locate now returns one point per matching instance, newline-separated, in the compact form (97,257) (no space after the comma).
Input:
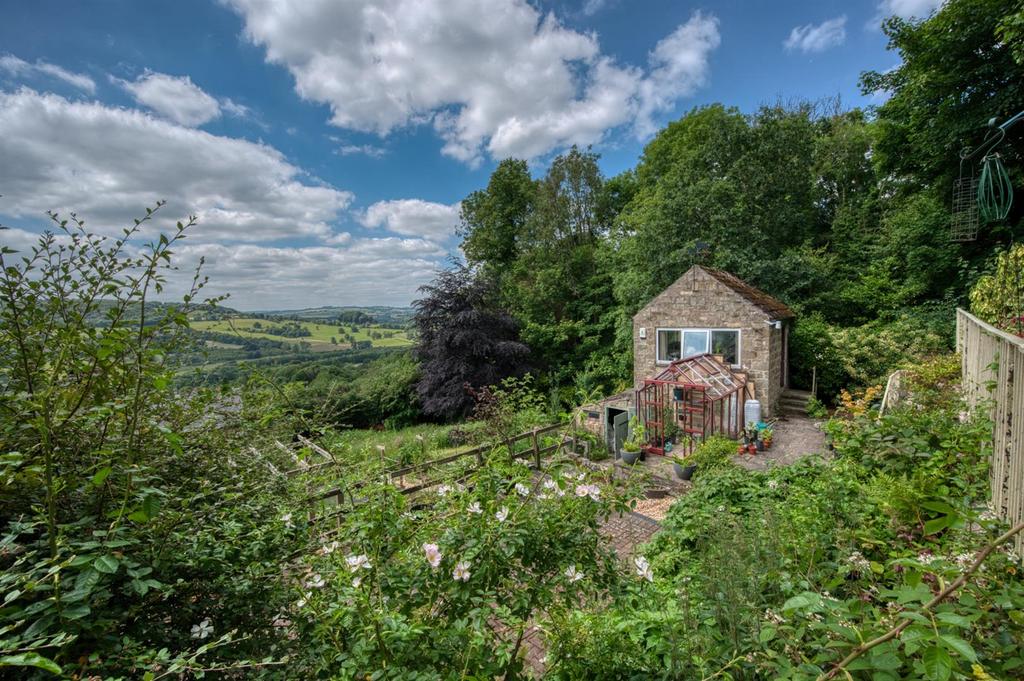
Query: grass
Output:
(319,340)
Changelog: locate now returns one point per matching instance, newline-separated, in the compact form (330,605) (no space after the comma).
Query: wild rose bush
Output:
(448,582)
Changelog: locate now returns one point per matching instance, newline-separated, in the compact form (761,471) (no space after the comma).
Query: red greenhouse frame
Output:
(699,394)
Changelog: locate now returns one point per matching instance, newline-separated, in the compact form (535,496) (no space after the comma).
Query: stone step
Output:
(800,394)
(793,402)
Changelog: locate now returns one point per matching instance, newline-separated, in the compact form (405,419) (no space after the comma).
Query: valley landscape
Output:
(425,341)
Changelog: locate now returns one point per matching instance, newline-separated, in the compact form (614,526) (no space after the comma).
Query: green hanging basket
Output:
(995,193)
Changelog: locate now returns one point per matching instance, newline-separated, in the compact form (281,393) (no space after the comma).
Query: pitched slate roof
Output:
(776,309)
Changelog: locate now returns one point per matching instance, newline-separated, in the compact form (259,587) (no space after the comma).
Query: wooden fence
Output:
(526,445)
(992,370)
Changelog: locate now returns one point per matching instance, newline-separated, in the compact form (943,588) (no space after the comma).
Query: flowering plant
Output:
(453,581)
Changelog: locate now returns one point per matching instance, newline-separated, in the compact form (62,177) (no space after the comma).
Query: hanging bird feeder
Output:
(987,198)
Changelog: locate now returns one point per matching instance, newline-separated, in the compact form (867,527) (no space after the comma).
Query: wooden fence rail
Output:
(992,370)
(532,450)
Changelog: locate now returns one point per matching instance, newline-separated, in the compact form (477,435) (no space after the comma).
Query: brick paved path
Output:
(625,532)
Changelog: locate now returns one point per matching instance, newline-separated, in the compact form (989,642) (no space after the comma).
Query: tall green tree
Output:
(493,219)
(957,70)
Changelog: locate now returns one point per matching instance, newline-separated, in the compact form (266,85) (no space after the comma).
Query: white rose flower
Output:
(433,554)
(461,572)
(203,629)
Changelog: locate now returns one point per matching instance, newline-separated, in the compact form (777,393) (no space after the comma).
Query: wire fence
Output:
(992,370)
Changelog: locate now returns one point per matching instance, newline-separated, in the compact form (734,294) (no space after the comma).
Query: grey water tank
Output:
(751,412)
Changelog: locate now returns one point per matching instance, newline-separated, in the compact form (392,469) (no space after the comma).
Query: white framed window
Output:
(673,344)
(669,348)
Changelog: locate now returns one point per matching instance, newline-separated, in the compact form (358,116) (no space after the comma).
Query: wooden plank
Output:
(317,448)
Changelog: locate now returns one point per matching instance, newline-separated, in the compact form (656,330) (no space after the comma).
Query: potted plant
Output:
(683,467)
(766,436)
(631,448)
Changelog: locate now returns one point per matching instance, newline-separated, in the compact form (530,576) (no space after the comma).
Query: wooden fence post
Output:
(536,448)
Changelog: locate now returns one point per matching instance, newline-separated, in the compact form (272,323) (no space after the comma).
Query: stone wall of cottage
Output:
(698,300)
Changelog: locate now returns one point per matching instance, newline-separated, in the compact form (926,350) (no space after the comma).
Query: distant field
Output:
(321,333)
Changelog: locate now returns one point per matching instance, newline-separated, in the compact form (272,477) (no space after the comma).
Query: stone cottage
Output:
(704,311)
(710,310)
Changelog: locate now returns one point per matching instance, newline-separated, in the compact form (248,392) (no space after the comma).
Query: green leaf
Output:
(106,564)
(960,646)
(954,619)
(30,660)
(767,634)
(939,507)
(801,601)
(936,525)
(100,476)
(151,506)
(938,665)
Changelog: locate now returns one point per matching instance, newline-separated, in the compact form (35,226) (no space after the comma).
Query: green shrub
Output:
(137,521)
(781,574)
(713,453)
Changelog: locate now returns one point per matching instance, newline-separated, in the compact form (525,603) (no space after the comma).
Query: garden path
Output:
(795,438)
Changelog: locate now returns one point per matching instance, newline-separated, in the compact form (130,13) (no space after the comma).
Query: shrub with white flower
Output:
(287,520)
(643,568)
(439,598)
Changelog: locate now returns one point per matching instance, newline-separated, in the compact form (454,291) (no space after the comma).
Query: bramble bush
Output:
(140,535)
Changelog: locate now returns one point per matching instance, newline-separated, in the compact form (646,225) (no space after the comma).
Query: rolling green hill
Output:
(319,334)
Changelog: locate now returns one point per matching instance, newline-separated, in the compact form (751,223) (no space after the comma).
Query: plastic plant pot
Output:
(684,472)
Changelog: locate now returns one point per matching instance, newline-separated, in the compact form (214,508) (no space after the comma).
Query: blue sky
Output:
(325,146)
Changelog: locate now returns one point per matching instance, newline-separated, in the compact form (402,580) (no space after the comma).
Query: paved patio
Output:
(795,438)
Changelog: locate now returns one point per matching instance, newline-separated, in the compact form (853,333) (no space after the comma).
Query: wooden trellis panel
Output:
(992,369)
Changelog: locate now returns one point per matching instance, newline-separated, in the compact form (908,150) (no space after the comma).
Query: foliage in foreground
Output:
(139,530)
(781,574)
(445,586)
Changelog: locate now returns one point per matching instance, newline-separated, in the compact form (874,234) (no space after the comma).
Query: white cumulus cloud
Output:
(267,232)
(110,163)
(413,217)
(494,78)
(21,68)
(817,37)
(380,271)
(175,97)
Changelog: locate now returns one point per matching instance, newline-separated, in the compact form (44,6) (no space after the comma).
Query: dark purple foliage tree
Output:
(464,339)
